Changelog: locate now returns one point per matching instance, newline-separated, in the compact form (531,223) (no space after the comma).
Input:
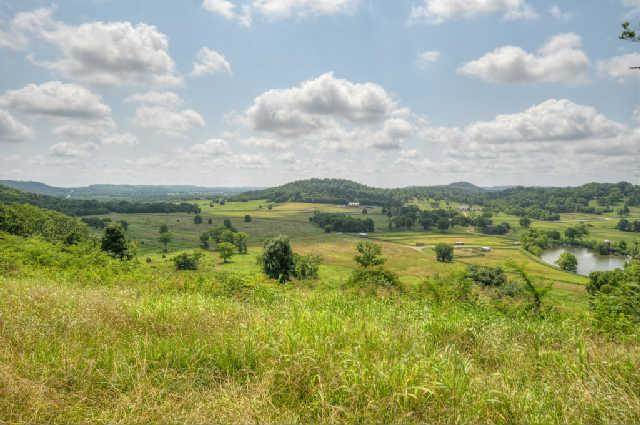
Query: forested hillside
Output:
(536,202)
(78,207)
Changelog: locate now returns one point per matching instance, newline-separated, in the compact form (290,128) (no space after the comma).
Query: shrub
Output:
(306,267)
(377,276)
(277,259)
(444,252)
(187,261)
(247,218)
(369,255)
(114,243)
(487,276)
(568,262)
(615,298)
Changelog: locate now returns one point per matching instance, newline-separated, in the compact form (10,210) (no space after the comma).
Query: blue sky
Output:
(260,92)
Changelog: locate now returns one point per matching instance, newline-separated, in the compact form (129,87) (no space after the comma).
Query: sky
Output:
(262,92)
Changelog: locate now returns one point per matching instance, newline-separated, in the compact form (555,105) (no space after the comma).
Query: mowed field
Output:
(409,253)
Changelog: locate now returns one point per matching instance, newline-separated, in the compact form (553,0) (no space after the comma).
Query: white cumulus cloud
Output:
(438,11)
(56,99)
(560,60)
(12,130)
(103,53)
(619,67)
(242,12)
(209,61)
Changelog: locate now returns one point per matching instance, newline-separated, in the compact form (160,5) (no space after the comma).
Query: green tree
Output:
(247,218)
(525,222)
(444,252)
(197,219)
(204,240)
(443,224)
(114,242)
(165,237)
(240,241)
(369,254)
(225,249)
(124,224)
(277,259)
(568,262)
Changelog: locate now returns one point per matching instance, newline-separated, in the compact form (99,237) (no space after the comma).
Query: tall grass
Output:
(147,344)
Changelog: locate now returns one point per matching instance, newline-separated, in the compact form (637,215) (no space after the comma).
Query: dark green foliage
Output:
(342,222)
(227,223)
(568,262)
(533,202)
(204,240)
(225,249)
(615,297)
(197,219)
(165,237)
(210,221)
(628,33)
(576,232)
(625,225)
(187,261)
(535,240)
(124,224)
(240,241)
(369,255)
(376,277)
(487,276)
(277,259)
(371,271)
(95,222)
(525,222)
(247,218)
(28,220)
(444,252)
(79,207)
(306,267)
(114,242)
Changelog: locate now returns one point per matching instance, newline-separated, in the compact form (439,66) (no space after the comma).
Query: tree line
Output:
(81,207)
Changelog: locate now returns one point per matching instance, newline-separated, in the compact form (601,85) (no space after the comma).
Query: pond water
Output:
(588,260)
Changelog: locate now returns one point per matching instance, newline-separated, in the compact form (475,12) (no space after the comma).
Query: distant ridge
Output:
(111,191)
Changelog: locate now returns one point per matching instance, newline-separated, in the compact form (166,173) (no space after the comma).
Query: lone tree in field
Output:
(114,242)
(225,249)
(247,218)
(568,262)
(277,259)
(444,253)
(369,255)
(204,240)
(165,237)
(197,219)
(240,241)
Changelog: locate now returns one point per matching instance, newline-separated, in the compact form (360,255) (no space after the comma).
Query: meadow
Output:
(88,339)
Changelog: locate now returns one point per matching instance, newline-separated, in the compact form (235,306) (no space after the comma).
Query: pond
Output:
(588,260)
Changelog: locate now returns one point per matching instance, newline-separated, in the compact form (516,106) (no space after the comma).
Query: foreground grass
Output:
(149,345)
